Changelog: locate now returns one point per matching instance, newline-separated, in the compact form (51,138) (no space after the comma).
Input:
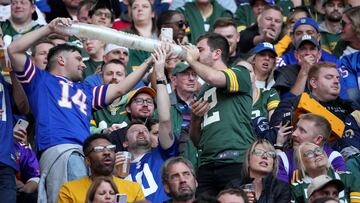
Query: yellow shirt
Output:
(75,191)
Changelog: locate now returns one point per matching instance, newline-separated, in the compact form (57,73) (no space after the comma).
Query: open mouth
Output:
(263,164)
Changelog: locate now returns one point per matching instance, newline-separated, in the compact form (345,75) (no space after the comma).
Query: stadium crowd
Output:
(263,104)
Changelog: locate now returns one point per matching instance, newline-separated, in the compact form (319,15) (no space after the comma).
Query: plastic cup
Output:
(124,168)
(249,188)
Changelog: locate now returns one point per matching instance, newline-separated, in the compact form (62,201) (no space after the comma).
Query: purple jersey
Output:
(287,164)
(62,108)
(28,164)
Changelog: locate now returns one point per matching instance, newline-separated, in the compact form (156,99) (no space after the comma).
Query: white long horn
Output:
(108,35)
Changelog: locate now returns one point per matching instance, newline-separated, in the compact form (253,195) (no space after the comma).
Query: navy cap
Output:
(306,21)
(272,2)
(264,46)
(307,38)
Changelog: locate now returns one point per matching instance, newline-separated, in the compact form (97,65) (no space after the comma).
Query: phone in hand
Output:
(21,124)
(121,198)
(166,34)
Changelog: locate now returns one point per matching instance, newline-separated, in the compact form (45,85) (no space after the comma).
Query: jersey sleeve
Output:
(237,79)
(273,100)
(348,69)
(30,76)
(98,97)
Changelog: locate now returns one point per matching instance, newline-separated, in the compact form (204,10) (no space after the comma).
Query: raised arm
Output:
(166,137)
(116,90)
(17,48)
(210,75)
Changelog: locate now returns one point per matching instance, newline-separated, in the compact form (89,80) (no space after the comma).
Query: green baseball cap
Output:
(180,67)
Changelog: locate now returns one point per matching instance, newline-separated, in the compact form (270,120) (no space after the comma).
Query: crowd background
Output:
(267,95)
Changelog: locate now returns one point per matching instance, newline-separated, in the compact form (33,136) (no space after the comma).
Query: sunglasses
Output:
(180,23)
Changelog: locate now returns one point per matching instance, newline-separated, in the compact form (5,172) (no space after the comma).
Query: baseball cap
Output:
(146,90)
(322,181)
(307,38)
(111,47)
(272,2)
(306,21)
(264,46)
(180,67)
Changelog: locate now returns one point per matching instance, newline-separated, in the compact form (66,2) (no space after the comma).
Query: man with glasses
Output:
(100,158)
(21,20)
(310,128)
(176,21)
(101,14)
(185,83)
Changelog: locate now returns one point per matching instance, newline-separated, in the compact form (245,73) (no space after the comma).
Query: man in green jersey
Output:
(220,123)
(21,20)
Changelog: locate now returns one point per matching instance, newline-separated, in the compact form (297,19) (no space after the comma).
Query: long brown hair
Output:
(95,185)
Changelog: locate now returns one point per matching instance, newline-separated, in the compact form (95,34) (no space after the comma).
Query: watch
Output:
(279,146)
(161,81)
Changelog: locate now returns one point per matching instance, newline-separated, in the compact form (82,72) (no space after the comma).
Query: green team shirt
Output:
(9,30)
(91,66)
(351,182)
(197,24)
(265,101)
(226,130)
(113,114)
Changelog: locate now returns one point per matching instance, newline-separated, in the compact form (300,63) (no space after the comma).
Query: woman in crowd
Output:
(142,24)
(312,162)
(102,190)
(260,169)
(350,35)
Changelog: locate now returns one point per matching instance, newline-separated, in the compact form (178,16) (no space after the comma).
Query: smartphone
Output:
(121,198)
(166,34)
(21,124)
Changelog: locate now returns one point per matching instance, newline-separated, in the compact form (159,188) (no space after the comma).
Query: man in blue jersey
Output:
(61,105)
(290,81)
(146,162)
(304,26)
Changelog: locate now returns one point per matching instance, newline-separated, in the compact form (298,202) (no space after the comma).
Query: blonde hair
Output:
(246,165)
(298,156)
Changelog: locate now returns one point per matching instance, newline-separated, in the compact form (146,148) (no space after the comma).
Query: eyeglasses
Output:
(100,13)
(110,147)
(311,153)
(261,153)
(141,101)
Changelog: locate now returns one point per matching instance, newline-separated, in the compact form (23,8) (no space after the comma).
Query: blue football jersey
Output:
(7,155)
(62,108)
(349,68)
(146,171)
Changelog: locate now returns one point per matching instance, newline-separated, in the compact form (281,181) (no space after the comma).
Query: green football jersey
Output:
(226,130)
(9,30)
(351,191)
(265,101)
